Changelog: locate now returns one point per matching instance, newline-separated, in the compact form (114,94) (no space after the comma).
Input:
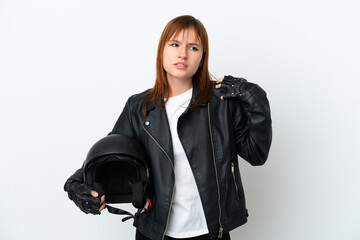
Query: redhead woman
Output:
(193,130)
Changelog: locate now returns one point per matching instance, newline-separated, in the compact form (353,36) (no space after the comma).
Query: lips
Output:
(181,65)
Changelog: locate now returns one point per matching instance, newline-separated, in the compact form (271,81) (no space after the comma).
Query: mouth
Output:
(181,65)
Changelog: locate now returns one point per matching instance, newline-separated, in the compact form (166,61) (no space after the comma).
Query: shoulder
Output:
(138,98)
(134,104)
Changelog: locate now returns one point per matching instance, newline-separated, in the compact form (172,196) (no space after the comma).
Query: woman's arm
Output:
(251,119)
(76,177)
(123,125)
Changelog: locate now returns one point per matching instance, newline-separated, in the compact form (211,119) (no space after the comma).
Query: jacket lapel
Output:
(157,125)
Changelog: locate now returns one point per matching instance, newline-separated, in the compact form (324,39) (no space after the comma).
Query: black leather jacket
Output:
(212,135)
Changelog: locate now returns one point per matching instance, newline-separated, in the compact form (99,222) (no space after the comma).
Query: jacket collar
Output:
(151,105)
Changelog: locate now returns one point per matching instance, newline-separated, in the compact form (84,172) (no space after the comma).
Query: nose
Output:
(182,54)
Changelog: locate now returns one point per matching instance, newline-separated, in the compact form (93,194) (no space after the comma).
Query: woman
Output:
(193,129)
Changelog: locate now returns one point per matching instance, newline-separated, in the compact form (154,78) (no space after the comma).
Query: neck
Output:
(178,87)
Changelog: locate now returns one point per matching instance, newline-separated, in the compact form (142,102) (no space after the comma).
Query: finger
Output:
(228,81)
(225,88)
(222,98)
(102,199)
(102,207)
(219,80)
(218,86)
(94,193)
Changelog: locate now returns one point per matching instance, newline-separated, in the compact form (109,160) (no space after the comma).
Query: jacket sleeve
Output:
(252,125)
(124,125)
(76,177)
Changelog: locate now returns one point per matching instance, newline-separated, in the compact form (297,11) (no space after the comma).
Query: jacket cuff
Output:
(76,177)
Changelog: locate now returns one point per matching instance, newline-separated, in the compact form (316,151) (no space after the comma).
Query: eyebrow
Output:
(172,40)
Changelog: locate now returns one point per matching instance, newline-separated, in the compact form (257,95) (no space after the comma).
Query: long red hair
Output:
(202,76)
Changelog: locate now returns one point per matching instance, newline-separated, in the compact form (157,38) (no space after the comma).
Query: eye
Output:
(194,48)
(174,44)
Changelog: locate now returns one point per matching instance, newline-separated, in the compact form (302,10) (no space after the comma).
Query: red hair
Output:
(202,75)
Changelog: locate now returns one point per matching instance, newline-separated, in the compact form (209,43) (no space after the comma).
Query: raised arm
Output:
(251,119)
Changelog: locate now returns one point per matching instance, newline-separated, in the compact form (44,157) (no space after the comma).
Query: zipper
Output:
(172,165)
(217,178)
(233,173)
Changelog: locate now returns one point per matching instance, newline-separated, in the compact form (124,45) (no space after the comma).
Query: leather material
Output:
(80,194)
(213,135)
(234,87)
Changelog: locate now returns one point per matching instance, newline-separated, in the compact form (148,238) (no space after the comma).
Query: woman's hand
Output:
(84,197)
(232,87)
(218,85)
(102,199)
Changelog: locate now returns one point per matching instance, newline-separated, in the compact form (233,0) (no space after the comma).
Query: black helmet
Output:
(117,166)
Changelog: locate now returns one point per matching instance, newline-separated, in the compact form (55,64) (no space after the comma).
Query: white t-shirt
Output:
(187,217)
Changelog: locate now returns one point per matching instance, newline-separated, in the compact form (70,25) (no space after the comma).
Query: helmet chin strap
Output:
(119,211)
(137,196)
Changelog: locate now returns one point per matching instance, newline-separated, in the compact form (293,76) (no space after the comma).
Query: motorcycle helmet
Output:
(117,166)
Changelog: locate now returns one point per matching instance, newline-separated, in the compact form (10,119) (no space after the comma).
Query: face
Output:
(182,56)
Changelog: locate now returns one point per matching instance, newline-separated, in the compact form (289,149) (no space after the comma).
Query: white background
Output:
(67,68)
